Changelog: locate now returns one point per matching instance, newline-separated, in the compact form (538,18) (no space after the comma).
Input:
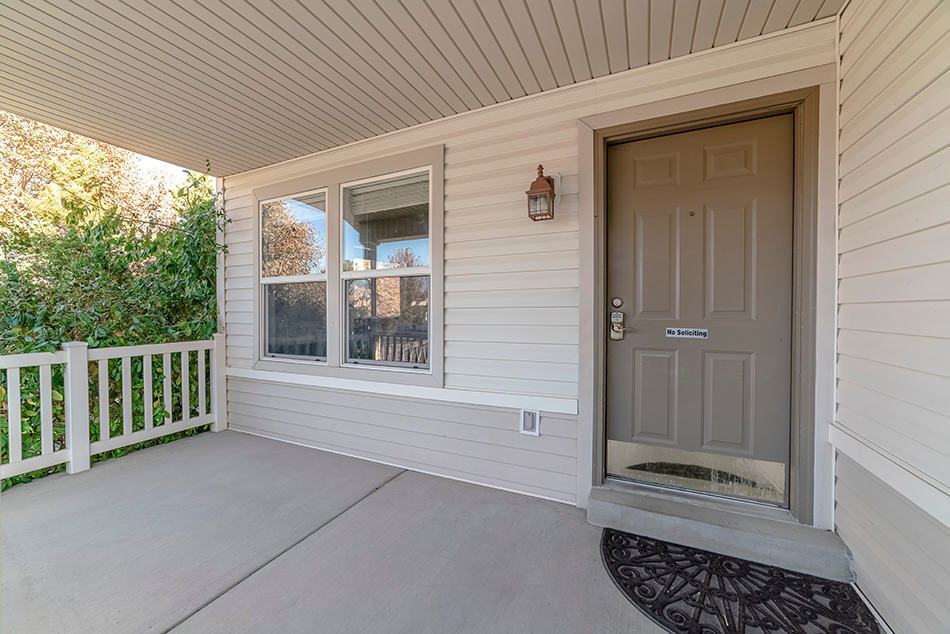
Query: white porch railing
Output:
(75,359)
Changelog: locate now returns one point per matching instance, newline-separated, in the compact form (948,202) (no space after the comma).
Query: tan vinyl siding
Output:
(474,443)
(507,280)
(900,552)
(893,390)
(511,285)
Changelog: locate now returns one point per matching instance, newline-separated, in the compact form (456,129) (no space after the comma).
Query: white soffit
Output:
(249,83)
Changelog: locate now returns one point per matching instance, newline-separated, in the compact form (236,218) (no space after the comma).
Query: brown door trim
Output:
(804,105)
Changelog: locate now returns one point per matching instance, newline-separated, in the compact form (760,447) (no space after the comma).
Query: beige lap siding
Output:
(511,285)
(900,552)
(893,371)
(468,442)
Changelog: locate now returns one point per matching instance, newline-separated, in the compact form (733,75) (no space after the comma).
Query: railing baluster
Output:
(147,389)
(167,385)
(46,410)
(74,358)
(185,388)
(104,431)
(202,380)
(126,395)
(15,426)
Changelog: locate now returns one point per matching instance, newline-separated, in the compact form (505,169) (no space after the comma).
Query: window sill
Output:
(367,373)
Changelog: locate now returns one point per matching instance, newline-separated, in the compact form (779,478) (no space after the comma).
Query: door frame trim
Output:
(811,99)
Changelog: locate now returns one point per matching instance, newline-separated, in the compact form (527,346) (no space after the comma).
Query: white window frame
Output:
(333,181)
(263,281)
(414,271)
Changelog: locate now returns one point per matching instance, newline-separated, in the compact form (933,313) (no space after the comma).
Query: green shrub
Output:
(108,279)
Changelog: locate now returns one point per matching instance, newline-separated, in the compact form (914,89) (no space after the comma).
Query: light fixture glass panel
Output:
(386,223)
(388,321)
(294,236)
(539,204)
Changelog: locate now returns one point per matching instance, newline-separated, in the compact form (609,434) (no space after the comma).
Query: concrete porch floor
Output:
(233,533)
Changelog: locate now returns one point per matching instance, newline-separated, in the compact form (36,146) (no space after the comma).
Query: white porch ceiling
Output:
(248,83)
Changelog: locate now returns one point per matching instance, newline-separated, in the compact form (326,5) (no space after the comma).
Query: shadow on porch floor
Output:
(233,533)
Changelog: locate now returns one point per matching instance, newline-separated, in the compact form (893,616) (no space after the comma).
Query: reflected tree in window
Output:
(293,234)
(290,246)
(403,298)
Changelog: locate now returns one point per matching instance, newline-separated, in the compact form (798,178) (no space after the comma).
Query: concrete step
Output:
(739,529)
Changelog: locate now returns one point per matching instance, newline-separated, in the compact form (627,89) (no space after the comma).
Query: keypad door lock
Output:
(616,325)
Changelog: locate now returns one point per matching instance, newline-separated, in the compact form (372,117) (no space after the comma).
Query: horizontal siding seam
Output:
(872,128)
(476,478)
(892,237)
(888,458)
(890,301)
(408,399)
(566,457)
(895,334)
(894,49)
(911,436)
(844,378)
(882,151)
(495,359)
(844,226)
(892,365)
(889,562)
(439,451)
(238,390)
(514,273)
(903,169)
(477,241)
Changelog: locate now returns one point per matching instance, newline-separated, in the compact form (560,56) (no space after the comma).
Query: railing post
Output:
(77,405)
(219,396)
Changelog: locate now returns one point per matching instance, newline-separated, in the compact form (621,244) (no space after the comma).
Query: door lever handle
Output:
(617,327)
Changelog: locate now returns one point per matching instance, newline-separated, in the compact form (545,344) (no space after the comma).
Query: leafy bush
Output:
(108,279)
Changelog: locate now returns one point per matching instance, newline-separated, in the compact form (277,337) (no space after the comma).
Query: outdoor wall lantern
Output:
(541,197)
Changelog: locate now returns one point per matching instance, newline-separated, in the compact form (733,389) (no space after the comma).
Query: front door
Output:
(699,291)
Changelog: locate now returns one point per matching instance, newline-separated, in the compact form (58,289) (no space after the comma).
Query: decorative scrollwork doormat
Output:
(700,592)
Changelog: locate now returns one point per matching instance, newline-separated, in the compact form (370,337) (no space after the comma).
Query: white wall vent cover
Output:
(530,422)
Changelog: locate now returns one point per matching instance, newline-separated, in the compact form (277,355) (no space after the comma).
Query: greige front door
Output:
(699,286)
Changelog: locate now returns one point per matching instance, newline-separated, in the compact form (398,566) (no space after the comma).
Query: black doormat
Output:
(700,592)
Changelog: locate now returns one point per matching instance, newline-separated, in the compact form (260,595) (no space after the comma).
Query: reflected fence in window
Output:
(402,348)
(295,319)
(388,321)
(377,233)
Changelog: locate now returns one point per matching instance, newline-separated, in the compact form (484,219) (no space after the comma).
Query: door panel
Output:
(699,236)
(658,252)
(728,386)
(729,291)
(655,398)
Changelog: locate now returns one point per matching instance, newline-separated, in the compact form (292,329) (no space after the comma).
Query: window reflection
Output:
(388,321)
(297,319)
(386,223)
(293,236)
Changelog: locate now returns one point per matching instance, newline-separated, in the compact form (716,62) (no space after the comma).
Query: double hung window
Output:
(386,270)
(294,276)
(346,275)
